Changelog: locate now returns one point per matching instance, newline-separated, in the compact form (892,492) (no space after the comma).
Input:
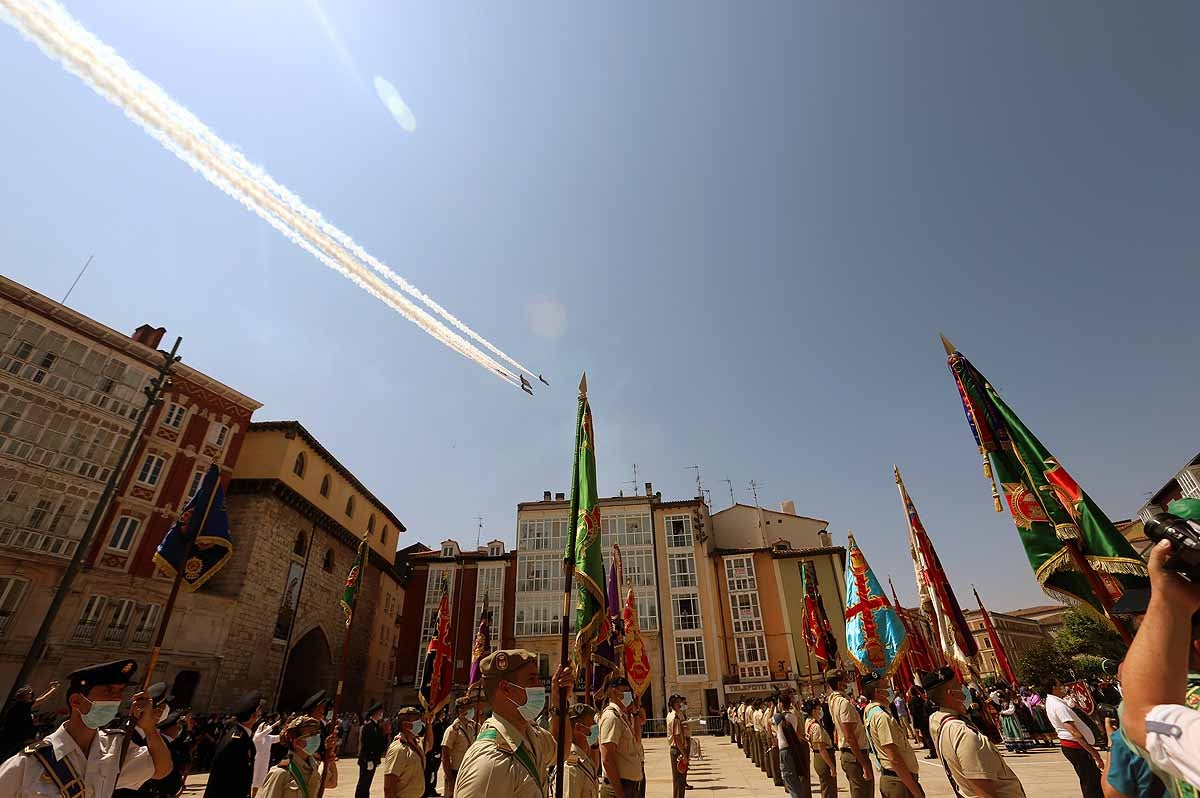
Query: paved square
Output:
(726,773)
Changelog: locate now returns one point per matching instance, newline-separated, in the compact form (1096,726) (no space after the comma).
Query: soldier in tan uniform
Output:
(898,776)
(300,773)
(404,763)
(971,760)
(511,756)
(621,752)
(822,748)
(581,778)
(854,751)
(457,739)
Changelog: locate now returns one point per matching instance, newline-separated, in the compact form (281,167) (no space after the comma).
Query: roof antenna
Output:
(478,531)
(729,482)
(81,271)
(699,487)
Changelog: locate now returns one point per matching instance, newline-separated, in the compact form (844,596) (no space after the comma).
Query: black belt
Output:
(851,750)
(894,774)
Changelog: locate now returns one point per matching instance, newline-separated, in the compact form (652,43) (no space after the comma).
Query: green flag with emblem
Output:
(590,605)
(354,582)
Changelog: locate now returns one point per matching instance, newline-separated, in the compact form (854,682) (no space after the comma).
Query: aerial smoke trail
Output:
(51,28)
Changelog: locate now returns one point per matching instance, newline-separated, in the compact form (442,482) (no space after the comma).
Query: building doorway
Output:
(309,669)
(183,689)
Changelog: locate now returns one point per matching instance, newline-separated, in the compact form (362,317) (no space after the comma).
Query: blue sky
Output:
(754,217)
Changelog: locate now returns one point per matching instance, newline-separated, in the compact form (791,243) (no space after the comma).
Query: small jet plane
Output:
(544,380)
(525,386)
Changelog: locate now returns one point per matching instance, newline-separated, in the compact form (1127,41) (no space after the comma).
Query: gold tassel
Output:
(1067,532)
(987,473)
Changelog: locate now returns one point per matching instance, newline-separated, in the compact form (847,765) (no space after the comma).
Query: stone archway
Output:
(309,669)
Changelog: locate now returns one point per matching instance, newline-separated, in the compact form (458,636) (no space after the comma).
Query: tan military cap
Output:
(505,662)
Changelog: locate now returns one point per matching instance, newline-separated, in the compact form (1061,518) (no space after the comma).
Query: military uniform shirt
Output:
(884,730)
(615,729)
(818,738)
(491,768)
(406,762)
(22,775)
(675,727)
(844,712)
(457,739)
(971,755)
(579,778)
(281,782)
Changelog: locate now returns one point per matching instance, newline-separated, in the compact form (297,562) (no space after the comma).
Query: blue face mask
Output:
(593,735)
(312,744)
(627,698)
(418,726)
(535,702)
(101,714)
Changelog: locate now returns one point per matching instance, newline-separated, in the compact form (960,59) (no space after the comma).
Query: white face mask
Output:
(535,702)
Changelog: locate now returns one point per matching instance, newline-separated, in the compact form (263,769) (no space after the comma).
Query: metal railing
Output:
(85,632)
(115,635)
(709,724)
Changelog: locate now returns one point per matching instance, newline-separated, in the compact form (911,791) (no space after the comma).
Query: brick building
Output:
(70,390)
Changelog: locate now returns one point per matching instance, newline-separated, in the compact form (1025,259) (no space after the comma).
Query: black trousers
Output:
(433,762)
(1086,770)
(365,777)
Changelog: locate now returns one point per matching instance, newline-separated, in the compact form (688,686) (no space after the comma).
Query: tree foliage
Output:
(1041,660)
(1085,633)
(1087,666)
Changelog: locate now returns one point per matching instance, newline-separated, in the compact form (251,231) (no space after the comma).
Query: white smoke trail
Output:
(51,28)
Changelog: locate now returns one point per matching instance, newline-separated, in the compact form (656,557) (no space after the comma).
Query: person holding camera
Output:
(1156,718)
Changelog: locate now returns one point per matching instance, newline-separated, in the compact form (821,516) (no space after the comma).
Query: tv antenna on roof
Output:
(699,487)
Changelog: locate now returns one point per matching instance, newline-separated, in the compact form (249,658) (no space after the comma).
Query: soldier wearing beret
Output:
(79,751)
(301,772)
(457,739)
(898,776)
(232,772)
(621,751)
(972,762)
(371,748)
(854,749)
(404,765)
(580,779)
(511,756)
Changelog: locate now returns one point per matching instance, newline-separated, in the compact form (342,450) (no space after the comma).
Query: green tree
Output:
(1087,666)
(1040,661)
(1085,633)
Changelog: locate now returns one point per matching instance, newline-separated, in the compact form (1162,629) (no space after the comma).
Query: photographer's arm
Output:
(1156,667)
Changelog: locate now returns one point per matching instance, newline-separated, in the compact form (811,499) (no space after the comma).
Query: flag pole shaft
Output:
(337,693)
(153,394)
(568,576)
(812,688)
(287,646)
(1098,588)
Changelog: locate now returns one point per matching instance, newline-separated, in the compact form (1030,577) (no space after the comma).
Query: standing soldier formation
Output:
(404,764)
(622,756)
(898,776)
(972,761)
(581,779)
(456,740)
(853,749)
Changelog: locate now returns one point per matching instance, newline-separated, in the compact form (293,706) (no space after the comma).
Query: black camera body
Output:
(1185,541)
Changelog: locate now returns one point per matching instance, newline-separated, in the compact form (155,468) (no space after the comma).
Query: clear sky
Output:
(747,222)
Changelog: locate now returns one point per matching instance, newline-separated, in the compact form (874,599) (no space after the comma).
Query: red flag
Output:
(439,660)
(1002,661)
(637,659)
(818,635)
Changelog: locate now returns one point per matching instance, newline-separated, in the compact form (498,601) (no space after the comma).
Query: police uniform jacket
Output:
(373,744)
(232,768)
(580,778)
(504,762)
(23,776)
(406,761)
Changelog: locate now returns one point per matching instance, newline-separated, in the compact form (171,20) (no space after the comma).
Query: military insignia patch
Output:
(1026,510)
(502,661)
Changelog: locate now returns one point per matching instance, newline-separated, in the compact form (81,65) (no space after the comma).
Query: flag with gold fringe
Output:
(590,605)
(875,636)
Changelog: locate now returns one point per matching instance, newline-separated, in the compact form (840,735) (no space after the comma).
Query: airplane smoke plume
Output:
(49,26)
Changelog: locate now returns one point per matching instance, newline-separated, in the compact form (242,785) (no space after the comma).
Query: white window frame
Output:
(197,481)
(681,568)
(681,621)
(218,434)
(151,615)
(124,533)
(174,416)
(678,539)
(745,612)
(89,619)
(119,621)
(151,471)
(12,591)
(736,582)
(689,656)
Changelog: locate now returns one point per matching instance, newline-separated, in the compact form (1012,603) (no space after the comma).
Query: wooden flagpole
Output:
(568,578)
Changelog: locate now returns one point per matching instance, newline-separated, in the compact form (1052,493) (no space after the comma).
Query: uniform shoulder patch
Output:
(33,748)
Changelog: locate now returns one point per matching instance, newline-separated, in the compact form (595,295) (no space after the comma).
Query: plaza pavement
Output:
(725,772)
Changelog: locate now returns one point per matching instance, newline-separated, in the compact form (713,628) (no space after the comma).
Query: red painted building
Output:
(470,577)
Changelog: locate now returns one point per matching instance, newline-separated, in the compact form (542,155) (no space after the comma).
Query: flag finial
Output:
(583,384)
(896,473)
(949,347)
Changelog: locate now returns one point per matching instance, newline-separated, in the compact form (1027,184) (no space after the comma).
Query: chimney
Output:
(149,336)
(788,506)
(825,538)
(560,497)
(649,489)
(545,495)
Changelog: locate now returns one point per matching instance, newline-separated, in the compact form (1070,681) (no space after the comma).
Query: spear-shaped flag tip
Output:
(949,347)
(583,384)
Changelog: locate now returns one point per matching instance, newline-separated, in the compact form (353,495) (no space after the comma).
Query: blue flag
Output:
(875,636)
(206,521)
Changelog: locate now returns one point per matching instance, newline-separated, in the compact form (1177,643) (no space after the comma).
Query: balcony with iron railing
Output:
(5,617)
(85,632)
(115,635)
(141,637)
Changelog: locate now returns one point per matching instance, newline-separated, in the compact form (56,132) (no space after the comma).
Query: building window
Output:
(536,573)
(739,573)
(298,548)
(647,607)
(685,611)
(218,434)
(327,563)
(350,507)
(383,536)
(39,514)
(447,551)
(197,478)
(123,533)
(118,627)
(689,656)
(174,416)
(325,486)
(638,566)
(371,525)
(89,620)
(682,568)
(626,530)
(12,590)
(24,350)
(298,466)
(151,470)
(543,535)
(538,617)
(679,531)
(752,656)
(495,549)
(746,615)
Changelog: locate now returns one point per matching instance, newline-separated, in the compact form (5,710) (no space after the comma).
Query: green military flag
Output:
(1050,510)
(354,582)
(590,606)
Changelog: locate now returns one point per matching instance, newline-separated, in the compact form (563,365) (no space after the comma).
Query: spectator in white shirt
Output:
(1076,738)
